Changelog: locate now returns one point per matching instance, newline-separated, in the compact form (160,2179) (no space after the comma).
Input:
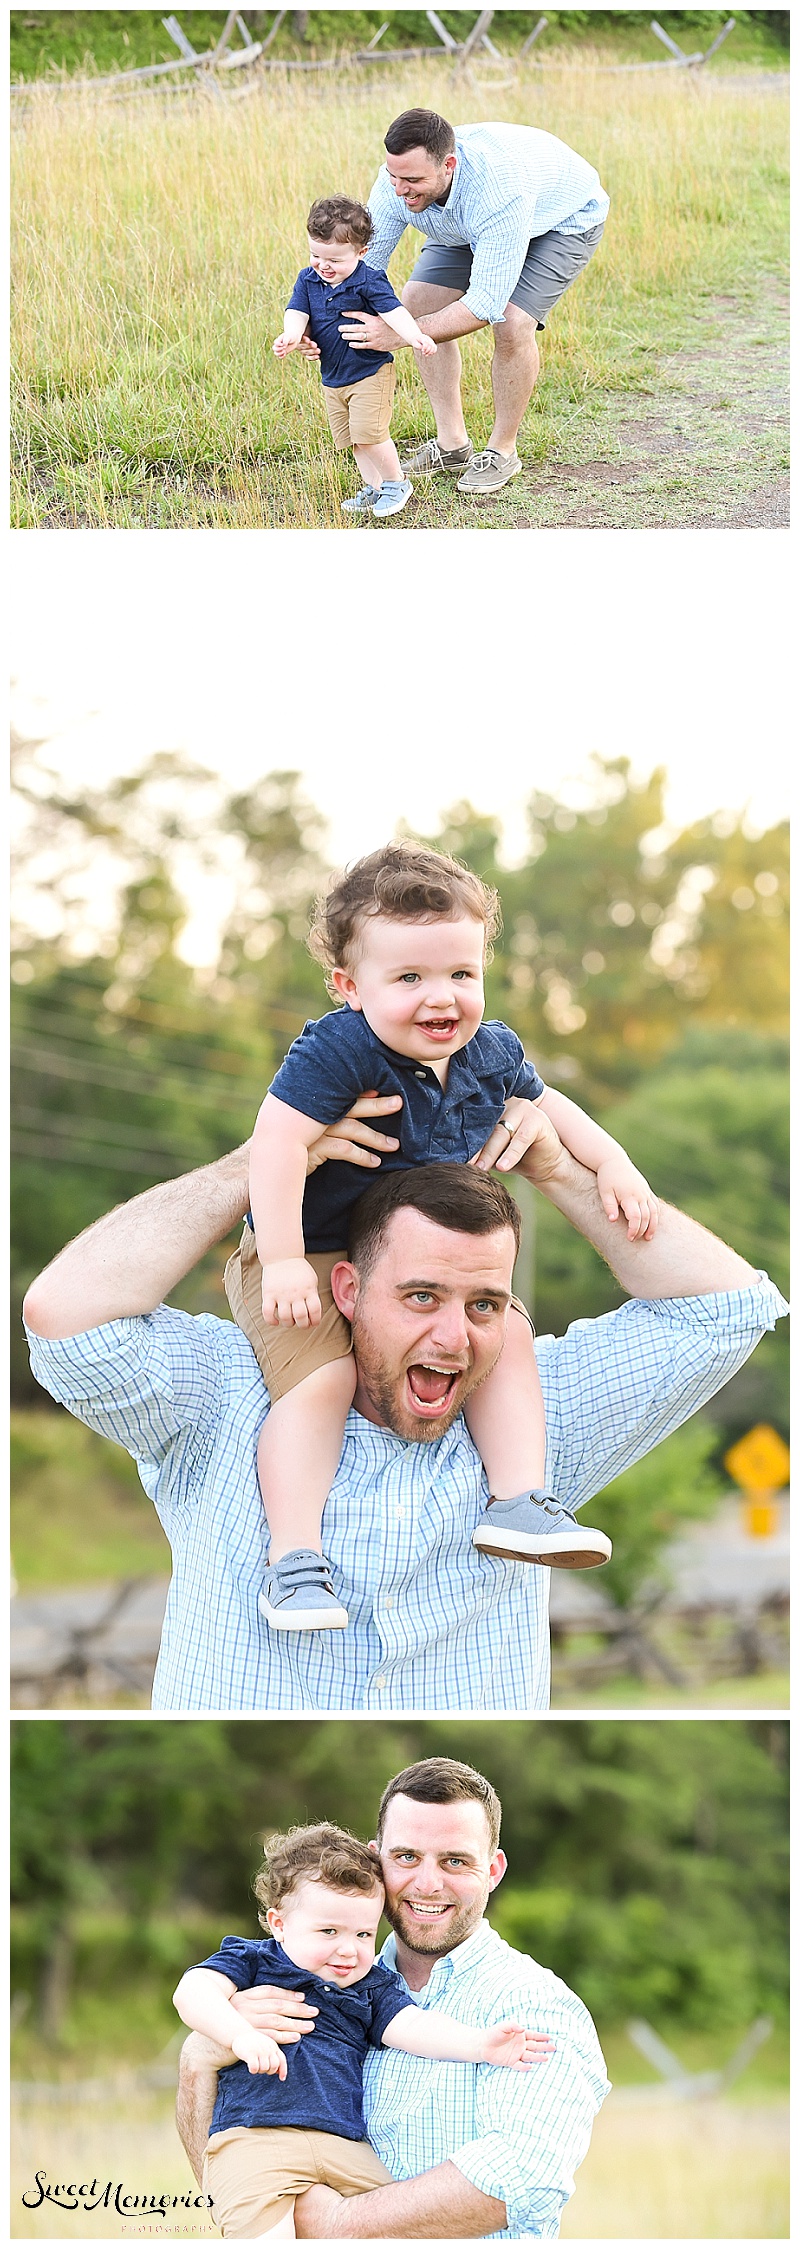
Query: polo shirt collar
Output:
(463,1058)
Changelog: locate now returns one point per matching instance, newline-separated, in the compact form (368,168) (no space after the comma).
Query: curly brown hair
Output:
(313,1854)
(406,882)
(336,218)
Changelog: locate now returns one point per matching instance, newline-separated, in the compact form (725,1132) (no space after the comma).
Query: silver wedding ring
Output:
(506,1128)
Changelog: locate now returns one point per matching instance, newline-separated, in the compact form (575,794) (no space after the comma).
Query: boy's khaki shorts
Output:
(253,2176)
(361,413)
(285,1355)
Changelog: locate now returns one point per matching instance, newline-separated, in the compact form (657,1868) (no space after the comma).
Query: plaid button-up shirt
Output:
(517,2134)
(511,183)
(434,1624)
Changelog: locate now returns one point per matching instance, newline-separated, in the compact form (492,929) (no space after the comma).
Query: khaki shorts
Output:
(361,413)
(285,1355)
(254,2176)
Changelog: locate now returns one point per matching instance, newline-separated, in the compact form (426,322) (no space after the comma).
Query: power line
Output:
(102,1130)
(48,1062)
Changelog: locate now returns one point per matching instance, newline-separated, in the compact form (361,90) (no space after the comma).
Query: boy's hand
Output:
(425,345)
(514,2047)
(283,344)
(263,2057)
(622,1188)
(290,1294)
(522,1122)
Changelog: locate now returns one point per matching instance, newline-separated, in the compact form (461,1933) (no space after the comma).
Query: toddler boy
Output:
(404,936)
(357,385)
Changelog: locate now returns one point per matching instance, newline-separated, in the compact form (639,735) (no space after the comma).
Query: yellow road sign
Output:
(759,1462)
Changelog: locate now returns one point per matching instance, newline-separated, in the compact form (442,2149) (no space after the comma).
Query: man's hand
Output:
(262,2056)
(367,332)
(522,1127)
(282,2015)
(307,346)
(290,1294)
(622,1188)
(352,1140)
(512,2046)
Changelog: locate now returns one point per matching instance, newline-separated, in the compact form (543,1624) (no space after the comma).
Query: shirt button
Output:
(380,1681)
(420,1073)
(389,1601)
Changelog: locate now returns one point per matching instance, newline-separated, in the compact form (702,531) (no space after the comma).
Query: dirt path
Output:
(708,448)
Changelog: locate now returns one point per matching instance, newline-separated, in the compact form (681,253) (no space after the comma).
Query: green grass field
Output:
(156,237)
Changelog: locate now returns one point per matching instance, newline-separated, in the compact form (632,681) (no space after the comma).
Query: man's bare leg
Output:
(441,374)
(515,368)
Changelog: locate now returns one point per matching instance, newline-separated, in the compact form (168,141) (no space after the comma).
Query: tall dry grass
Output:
(713,2170)
(156,238)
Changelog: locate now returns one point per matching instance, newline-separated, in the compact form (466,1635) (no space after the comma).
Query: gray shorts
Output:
(553,261)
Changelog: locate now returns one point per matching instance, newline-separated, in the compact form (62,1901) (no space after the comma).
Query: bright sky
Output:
(479,667)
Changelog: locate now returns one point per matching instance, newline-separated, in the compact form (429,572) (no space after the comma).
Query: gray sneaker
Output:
(430,458)
(536,1528)
(364,499)
(298,1594)
(489,472)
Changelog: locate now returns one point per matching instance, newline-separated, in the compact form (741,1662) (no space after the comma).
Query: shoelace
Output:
(314,1571)
(483,460)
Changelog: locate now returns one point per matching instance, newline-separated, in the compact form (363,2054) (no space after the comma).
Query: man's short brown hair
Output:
(456,1196)
(336,218)
(314,1854)
(404,882)
(420,128)
(444,1780)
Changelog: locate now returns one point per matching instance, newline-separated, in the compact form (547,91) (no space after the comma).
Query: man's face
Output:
(428,1322)
(439,1868)
(419,179)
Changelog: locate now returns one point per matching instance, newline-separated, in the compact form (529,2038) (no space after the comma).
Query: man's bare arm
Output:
(128,1261)
(683,1259)
(441,2205)
(200,2062)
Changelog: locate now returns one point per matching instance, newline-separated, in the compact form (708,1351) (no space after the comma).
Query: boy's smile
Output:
(419,984)
(333,261)
(330,1932)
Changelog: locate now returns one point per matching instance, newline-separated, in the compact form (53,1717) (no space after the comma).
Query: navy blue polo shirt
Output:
(336,1059)
(365,290)
(322,2088)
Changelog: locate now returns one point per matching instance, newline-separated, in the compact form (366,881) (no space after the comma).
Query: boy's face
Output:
(333,261)
(330,1932)
(419,984)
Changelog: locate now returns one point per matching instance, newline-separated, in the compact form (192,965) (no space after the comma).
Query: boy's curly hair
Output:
(314,1854)
(406,882)
(336,218)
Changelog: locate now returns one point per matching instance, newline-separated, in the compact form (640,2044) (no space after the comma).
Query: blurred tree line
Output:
(647,1863)
(646,972)
(122,38)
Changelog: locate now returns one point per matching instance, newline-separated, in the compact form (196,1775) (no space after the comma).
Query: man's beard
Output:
(428,1938)
(384,1390)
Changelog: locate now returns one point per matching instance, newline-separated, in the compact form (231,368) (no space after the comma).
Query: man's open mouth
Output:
(432,1388)
(427,1912)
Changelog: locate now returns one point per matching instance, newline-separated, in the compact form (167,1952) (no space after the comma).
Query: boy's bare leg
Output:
(379,464)
(441,373)
(298,1455)
(505,1416)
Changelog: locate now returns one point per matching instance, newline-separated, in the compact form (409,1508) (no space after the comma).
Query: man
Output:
(511,217)
(495,2158)
(435,1625)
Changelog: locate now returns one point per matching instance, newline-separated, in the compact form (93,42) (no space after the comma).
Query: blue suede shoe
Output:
(298,1594)
(536,1528)
(393,497)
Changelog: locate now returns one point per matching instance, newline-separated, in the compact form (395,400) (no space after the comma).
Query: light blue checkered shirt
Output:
(518,2135)
(434,1624)
(511,182)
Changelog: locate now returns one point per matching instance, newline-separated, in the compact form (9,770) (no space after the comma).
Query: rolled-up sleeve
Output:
(616,1386)
(499,254)
(534,2126)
